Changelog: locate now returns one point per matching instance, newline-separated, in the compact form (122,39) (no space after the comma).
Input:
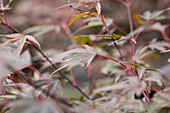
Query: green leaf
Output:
(135,65)
(94,22)
(86,27)
(82,98)
(78,16)
(82,39)
(153,69)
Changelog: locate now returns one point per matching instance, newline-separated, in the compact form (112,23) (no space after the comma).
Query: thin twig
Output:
(147,99)
(104,23)
(117,47)
(129,3)
(72,76)
(118,28)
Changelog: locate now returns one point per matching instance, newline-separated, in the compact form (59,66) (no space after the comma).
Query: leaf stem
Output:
(112,60)
(146,97)
(118,49)
(146,90)
(72,76)
(128,5)
(9,26)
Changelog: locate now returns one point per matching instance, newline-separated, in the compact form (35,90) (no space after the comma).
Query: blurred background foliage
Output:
(34,17)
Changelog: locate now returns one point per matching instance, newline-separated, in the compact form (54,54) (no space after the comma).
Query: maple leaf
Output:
(98,8)
(158,45)
(75,55)
(20,39)
(10,62)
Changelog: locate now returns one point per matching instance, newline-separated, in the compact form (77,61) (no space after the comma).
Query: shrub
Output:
(120,69)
